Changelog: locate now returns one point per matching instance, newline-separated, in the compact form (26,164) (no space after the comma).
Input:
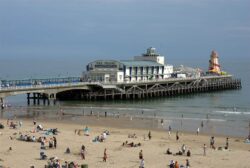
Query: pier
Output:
(160,88)
(46,93)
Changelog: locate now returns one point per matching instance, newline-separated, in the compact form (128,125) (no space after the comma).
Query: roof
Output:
(140,63)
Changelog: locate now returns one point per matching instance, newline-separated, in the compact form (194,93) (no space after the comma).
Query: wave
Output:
(232,112)
(197,119)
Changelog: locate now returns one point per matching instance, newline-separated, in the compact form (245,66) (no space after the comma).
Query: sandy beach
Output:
(26,154)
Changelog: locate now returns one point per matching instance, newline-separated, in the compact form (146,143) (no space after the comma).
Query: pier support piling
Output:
(34,98)
(28,98)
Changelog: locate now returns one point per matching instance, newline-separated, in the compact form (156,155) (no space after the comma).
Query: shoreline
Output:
(211,126)
(214,124)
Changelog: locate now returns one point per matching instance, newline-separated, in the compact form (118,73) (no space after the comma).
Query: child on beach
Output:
(204,150)
(177,135)
(83,150)
(149,135)
(140,155)
(212,142)
(105,155)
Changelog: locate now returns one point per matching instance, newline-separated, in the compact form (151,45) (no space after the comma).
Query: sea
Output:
(222,113)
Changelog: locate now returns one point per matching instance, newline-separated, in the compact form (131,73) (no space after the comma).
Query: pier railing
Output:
(71,82)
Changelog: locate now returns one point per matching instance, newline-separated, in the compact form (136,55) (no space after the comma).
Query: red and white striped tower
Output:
(214,66)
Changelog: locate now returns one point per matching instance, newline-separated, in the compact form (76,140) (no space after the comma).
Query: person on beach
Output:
(34,122)
(204,150)
(86,131)
(8,122)
(187,163)
(140,155)
(50,143)
(176,165)
(177,136)
(202,124)
(149,135)
(162,121)
(188,153)
(171,164)
(198,131)
(105,156)
(67,150)
(142,164)
(227,143)
(20,123)
(43,140)
(54,142)
(169,130)
(83,151)
(212,142)
(168,152)
(183,148)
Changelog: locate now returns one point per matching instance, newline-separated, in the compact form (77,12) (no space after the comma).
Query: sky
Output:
(59,37)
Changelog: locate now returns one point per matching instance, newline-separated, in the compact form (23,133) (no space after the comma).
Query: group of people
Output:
(180,152)
(52,142)
(100,138)
(132,135)
(83,153)
(131,144)
(175,164)
(13,124)
(54,162)
(27,138)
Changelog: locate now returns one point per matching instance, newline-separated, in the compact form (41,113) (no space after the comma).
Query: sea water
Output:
(224,112)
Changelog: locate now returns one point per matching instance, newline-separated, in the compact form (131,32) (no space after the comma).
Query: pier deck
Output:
(73,88)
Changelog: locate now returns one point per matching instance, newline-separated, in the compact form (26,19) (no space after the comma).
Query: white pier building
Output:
(148,66)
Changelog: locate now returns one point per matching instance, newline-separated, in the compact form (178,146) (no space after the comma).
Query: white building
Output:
(148,66)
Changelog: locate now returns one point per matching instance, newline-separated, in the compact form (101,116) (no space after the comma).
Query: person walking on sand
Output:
(198,131)
(149,135)
(212,142)
(177,135)
(187,163)
(83,151)
(54,141)
(227,143)
(140,155)
(162,122)
(202,124)
(204,150)
(105,155)
(142,164)
(169,130)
